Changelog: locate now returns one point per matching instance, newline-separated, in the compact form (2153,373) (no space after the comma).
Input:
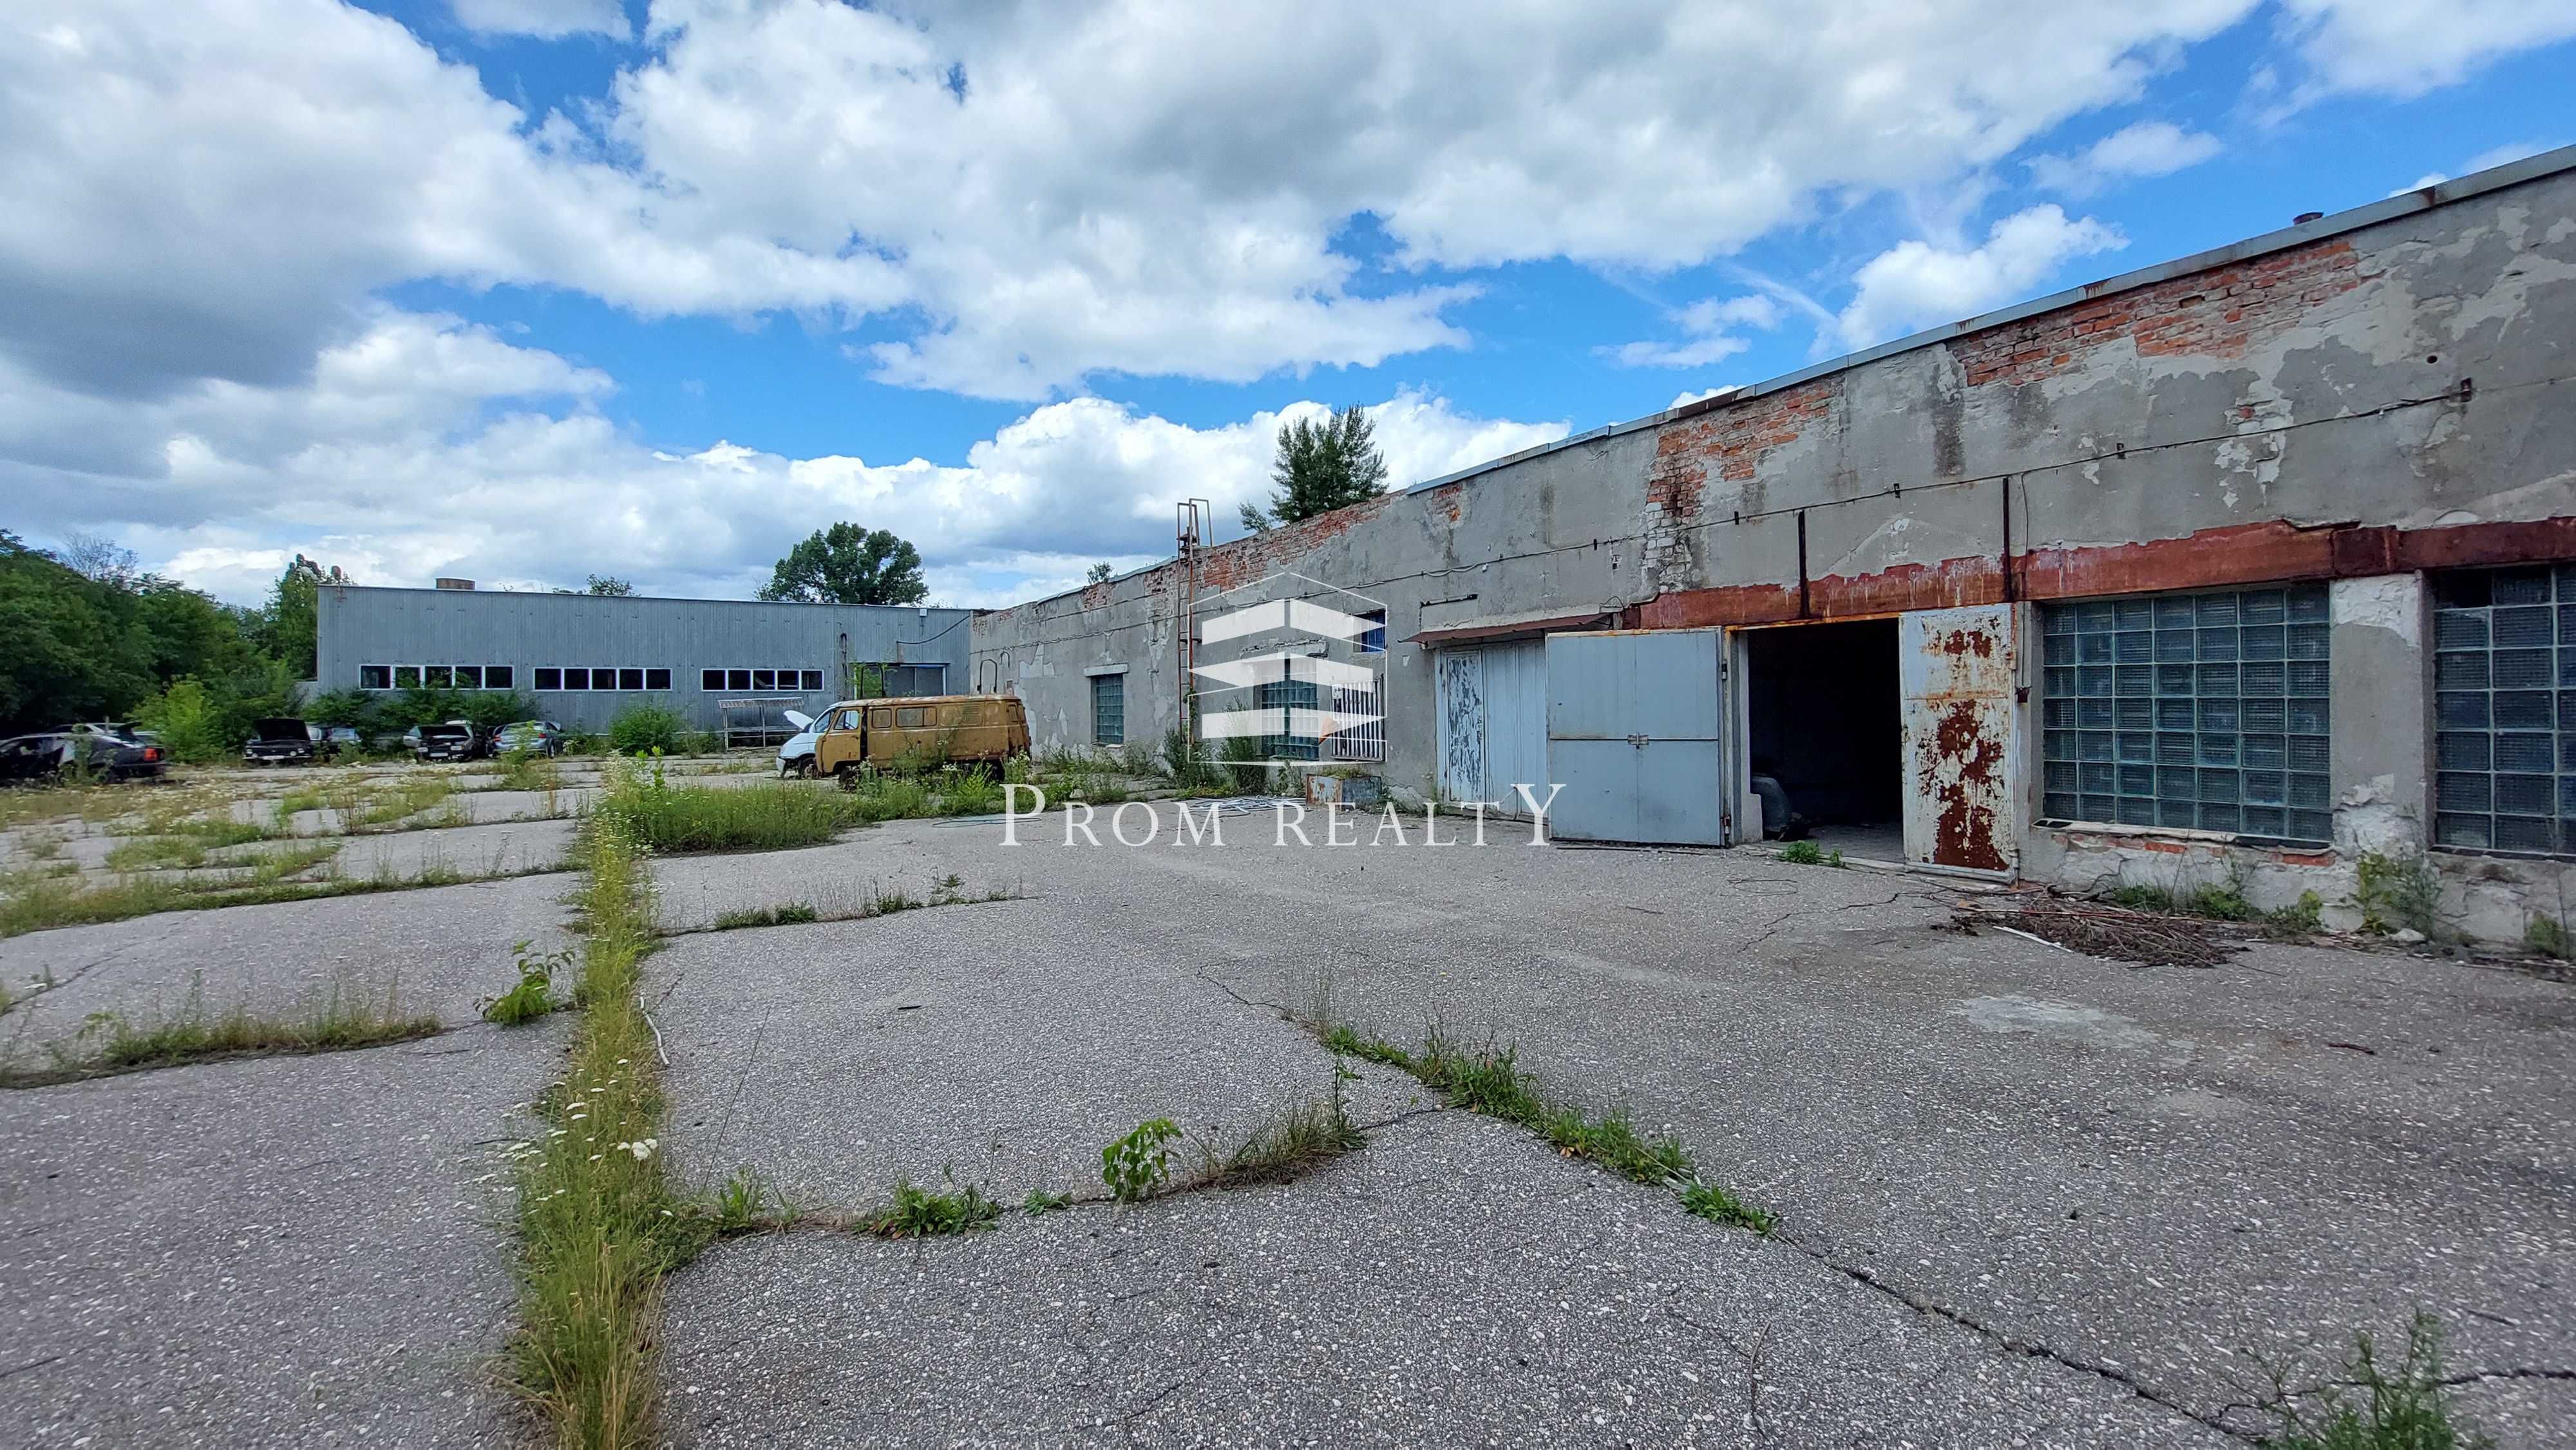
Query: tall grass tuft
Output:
(653,814)
(598,1222)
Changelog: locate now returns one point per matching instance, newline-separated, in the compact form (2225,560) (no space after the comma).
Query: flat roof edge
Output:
(643,598)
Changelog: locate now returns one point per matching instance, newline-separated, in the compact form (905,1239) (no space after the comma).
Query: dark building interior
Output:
(1825,721)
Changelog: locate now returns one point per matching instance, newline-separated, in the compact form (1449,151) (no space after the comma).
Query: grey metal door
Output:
(1634,722)
(1462,724)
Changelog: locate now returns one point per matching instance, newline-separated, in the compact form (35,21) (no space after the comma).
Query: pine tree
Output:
(1321,467)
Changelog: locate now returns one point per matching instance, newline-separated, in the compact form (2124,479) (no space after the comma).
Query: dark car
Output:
(77,754)
(537,737)
(449,740)
(279,740)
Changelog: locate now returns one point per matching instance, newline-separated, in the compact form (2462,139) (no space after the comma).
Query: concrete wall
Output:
(363,626)
(2357,400)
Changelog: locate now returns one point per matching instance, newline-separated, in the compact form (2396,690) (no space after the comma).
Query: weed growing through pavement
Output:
(598,1222)
(921,1213)
(2399,1407)
(1040,1202)
(1490,1080)
(1137,1164)
(742,1202)
(533,997)
(794,913)
(1306,1135)
(1808,853)
(336,1019)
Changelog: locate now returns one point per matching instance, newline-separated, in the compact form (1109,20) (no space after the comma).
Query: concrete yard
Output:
(2025,1196)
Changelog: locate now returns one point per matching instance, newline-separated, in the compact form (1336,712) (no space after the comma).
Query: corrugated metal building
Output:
(2241,569)
(586,657)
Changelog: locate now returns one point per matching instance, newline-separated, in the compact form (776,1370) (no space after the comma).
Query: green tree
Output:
(1099,574)
(846,564)
(286,625)
(1321,467)
(609,586)
(71,648)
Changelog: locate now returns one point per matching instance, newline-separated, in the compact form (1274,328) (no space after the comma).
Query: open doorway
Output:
(1824,735)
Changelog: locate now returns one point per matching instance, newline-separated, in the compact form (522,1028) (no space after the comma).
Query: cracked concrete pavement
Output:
(2146,1178)
(279,1251)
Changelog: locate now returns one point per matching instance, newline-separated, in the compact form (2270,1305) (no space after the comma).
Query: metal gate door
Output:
(1955,671)
(1462,724)
(1633,736)
(1515,722)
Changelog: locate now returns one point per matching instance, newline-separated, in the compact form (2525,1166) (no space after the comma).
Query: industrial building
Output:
(584,658)
(2245,568)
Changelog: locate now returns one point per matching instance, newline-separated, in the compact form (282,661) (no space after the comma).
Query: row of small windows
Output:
(2504,709)
(437,677)
(600,677)
(760,680)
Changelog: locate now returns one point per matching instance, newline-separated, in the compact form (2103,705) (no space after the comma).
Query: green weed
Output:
(2397,892)
(2400,1407)
(336,1019)
(1139,1163)
(2546,935)
(742,1202)
(1040,1202)
(598,1223)
(1808,853)
(2305,917)
(921,1213)
(794,913)
(533,997)
(660,816)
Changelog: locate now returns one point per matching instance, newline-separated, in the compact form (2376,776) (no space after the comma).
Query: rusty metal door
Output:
(1634,735)
(1955,671)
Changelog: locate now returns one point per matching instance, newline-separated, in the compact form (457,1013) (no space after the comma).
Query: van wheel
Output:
(848,775)
(804,768)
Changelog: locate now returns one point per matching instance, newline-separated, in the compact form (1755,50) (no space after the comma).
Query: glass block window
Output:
(2203,711)
(1109,709)
(2504,709)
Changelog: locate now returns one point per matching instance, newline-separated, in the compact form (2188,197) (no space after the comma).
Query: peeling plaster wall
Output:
(2357,407)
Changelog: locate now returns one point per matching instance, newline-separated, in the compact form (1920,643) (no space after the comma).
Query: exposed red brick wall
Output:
(2219,313)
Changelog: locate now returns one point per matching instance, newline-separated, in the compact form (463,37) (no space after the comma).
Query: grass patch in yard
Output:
(598,1222)
(337,1019)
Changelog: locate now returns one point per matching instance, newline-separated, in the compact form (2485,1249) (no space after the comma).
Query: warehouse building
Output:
(2249,568)
(584,658)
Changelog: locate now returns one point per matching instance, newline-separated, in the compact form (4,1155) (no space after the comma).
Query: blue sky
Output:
(526,289)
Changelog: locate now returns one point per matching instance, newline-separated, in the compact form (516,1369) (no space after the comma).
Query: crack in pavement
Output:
(1925,1304)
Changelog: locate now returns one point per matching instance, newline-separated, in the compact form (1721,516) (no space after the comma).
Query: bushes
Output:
(190,726)
(640,729)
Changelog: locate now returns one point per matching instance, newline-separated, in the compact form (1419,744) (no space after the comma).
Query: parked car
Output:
(948,729)
(796,757)
(280,740)
(446,740)
(537,737)
(54,754)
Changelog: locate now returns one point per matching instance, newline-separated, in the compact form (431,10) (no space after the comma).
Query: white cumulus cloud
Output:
(1916,284)
(2146,148)
(545,19)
